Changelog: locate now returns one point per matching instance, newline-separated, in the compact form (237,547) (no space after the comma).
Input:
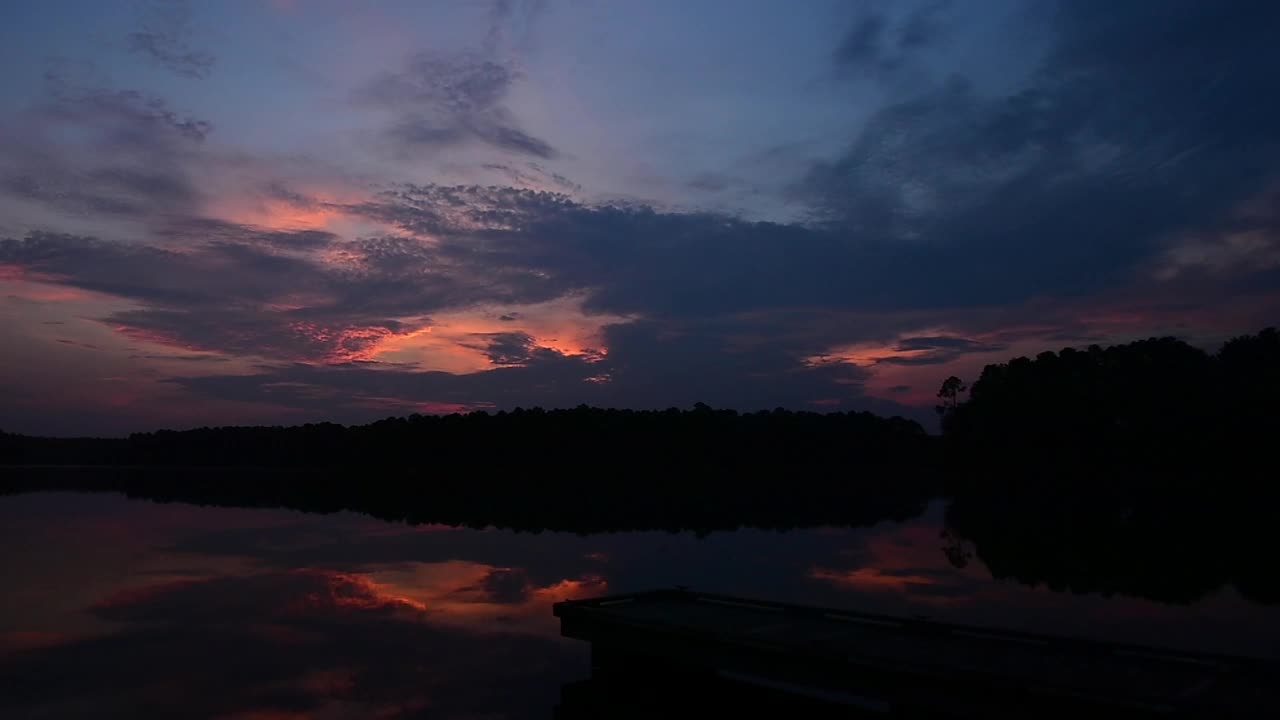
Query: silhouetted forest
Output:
(1145,469)
(583,470)
(1157,403)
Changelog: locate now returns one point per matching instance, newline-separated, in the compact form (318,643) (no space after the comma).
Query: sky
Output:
(287,211)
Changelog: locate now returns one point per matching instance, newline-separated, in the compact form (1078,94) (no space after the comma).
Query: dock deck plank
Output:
(1117,674)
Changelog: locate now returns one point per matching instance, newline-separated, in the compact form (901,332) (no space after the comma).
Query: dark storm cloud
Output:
(514,348)
(205,277)
(633,259)
(440,100)
(165,39)
(1145,119)
(226,288)
(218,296)
(253,332)
(405,276)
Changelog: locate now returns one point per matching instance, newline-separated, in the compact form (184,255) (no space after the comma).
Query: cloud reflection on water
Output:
(129,607)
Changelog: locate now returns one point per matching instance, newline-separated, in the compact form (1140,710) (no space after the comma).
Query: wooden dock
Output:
(880,664)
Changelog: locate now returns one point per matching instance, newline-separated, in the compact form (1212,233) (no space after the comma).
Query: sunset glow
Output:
(293,211)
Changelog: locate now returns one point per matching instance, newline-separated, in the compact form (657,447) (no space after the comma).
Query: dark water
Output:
(120,608)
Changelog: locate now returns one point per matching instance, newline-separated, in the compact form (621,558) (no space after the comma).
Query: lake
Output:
(120,607)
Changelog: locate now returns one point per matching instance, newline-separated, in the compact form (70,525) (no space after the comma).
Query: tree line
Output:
(582,469)
(1145,469)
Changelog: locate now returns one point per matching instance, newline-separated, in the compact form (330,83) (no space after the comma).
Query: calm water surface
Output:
(117,607)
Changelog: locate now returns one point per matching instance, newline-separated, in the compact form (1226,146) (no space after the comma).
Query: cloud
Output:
(1248,242)
(862,43)
(207,276)
(647,366)
(924,26)
(635,259)
(91,152)
(246,332)
(880,43)
(708,306)
(514,348)
(1067,185)
(285,643)
(216,296)
(297,594)
(126,118)
(532,175)
(508,18)
(918,350)
(441,100)
(165,39)
(1133,164)
(502,585)
(936,350)
(631,259)
(195,230)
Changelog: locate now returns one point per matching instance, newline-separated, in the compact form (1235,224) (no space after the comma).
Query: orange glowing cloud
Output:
(312,208)
(455,341)
(352,591)
(865,354)
(909,367)
(346,344)
(300,593)
(908,561)
(909,373)
(52,293)
(155,337)
(485,597)
(871,579)
(428,407)
(40,287)
(571,589)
